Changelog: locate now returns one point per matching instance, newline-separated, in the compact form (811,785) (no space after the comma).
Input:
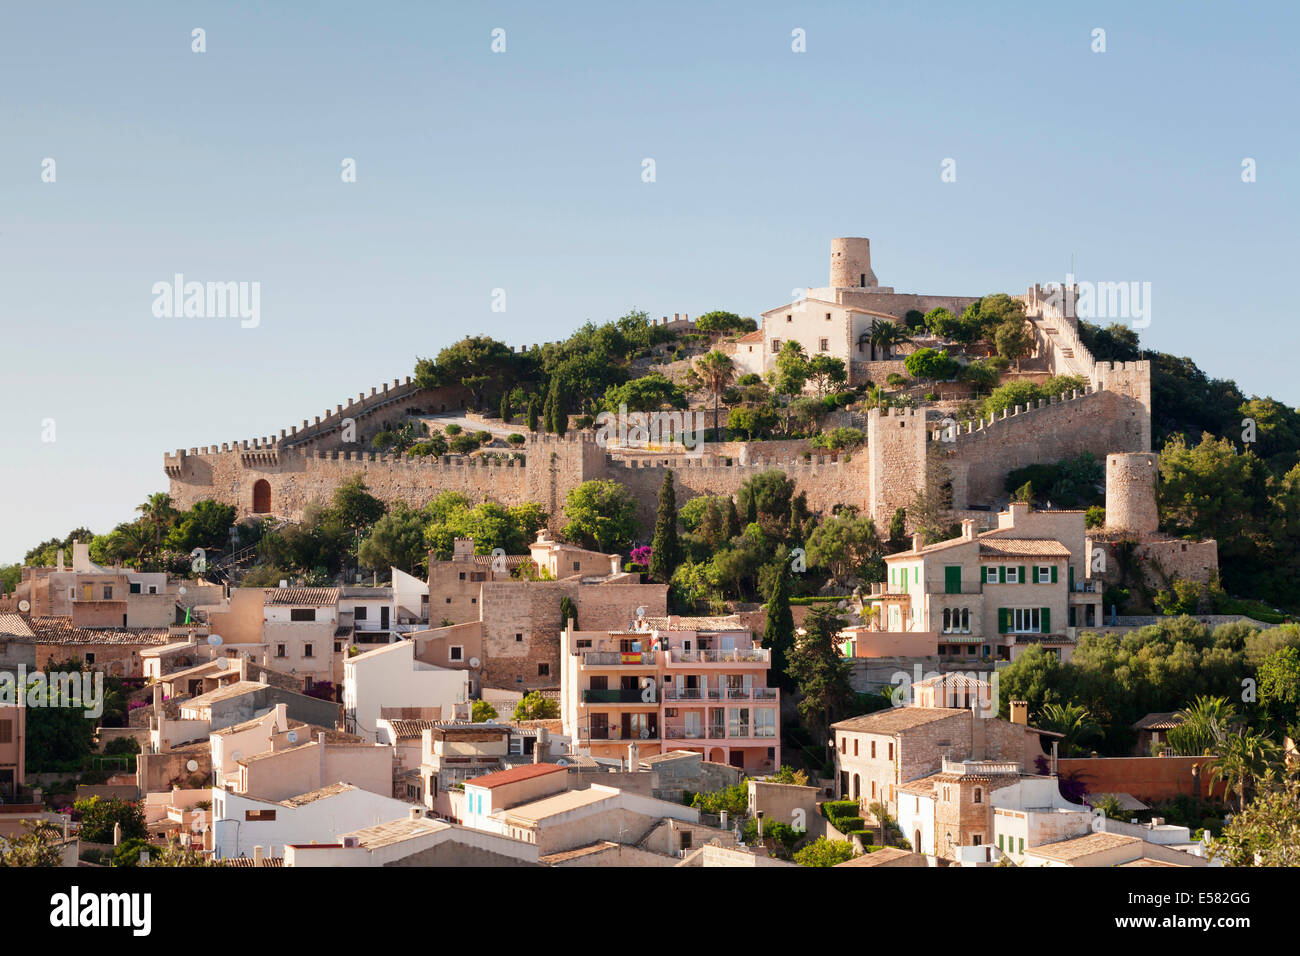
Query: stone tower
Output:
(896,447)
(851,264)
(1131,493)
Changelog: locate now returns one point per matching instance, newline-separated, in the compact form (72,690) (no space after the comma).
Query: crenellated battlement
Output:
(952,434)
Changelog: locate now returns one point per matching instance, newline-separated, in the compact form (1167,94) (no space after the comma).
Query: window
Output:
(153,589)
(828,316)
(135,587)
(990,574)
(765,722)
(825,344)
(252,816)
(891,750)
(456,653)
(448,600)
(478,576)
(844,745)
(359,613)
(952,579)
(855,746)
(873,750)
(108,593)
(90,658)
(1013,575)
(6,731)
(338,646)
(1043,574)
(462,575)
(979,795)
(280,650)
(1025,620)
(776,345)
(789,318)
(977,839)
(543,670)
(302,614)
(519,638)
(307,650)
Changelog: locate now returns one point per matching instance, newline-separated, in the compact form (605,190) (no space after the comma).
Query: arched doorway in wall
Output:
(262,497)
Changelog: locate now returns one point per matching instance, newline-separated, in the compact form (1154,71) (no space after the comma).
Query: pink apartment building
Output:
(672,683)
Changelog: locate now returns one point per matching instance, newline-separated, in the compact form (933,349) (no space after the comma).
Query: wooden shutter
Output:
(1045,620)
(1023,577)
(1035,575)
(1003,614)
(1002,574)
(1053,574)
(952,579)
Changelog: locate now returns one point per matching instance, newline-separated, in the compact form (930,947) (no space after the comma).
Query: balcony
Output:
(618,696)
(680,731)
(616,733)
(618,658)
(703,694)
(739,655)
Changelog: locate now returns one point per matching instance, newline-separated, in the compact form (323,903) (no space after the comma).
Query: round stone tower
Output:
(851,264)
(1131,492)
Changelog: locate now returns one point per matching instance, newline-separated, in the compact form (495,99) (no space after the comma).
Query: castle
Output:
(280,475)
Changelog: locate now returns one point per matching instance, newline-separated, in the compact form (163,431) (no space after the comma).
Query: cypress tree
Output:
(732,527)
(667,553)
(559,411)
(778,634)
(506,410)
(532,414)
(548,409)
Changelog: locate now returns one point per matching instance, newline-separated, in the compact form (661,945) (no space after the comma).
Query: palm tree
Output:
(1204,726)
(1072,721)
(1243,759)
(136,540)
(158,511)
(717,373)
(884,334)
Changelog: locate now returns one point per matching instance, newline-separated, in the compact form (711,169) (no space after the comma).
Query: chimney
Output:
(917,543)
(60,565)
(1020,712)
(614,564)
(977,736)
(243,667)
(257,856)
(416,813)
(759,815)
(968,529)
(541,745)
(633,756)
(723,822)
(281,717)
(157,699)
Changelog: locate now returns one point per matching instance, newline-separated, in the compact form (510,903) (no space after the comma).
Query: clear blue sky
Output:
(522,171)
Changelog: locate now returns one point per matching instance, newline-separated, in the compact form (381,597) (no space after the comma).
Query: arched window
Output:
(857,786)
(947,620)
(262,497)
(965,620)
(979,795)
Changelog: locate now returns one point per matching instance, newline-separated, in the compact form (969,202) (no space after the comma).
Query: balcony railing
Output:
(739,655)
(614,658)
(617,696)
(616,733)
(675,731)
(719,693)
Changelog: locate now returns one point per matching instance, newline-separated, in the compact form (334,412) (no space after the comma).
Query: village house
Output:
(986,597)
(414,840)
(396,676)
(672,683)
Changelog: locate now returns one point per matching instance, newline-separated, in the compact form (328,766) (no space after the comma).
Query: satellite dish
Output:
(292,736)
(192,765)
(640,612)
(215,640)
(181,589)
(237,756)
(221,663)
(24,605)
(474,662)
(645,735)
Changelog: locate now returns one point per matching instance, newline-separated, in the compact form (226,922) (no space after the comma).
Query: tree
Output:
(826,372)
(1073,722)
(1279,686)
(1267,832)
(506,411)
(847,545)
(355,507)
(1012,340)
(173,854)
(532,414)
(778,634)
(602,516)
(821,674)
(717,372)
(931,365)
(790,374)
(482,712)
(721,323)
(568,612)
(396,541)
(158,513)
(1203,727)
(824,852)
(649,393)
(98,817)
(534,706)
(39,845)
(1243,759)
(667,549)
(731,521)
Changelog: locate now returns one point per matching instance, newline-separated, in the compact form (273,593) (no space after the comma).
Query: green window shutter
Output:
(1053,574)
(952,579)
(1045,621)
(1035,574)
(1002,620)
(1002,574)
(1071,577)
(1023,579)
(916,574)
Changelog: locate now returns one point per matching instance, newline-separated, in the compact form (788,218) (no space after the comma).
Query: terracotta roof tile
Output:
(301,597)
(896,719)
(514,775)
(61,630)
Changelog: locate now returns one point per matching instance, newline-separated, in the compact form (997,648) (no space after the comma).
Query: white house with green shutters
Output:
(990,596)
